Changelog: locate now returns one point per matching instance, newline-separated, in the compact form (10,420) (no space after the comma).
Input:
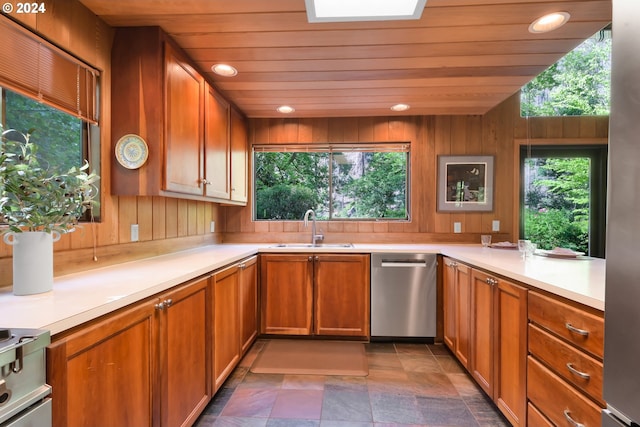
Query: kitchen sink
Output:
(309,245)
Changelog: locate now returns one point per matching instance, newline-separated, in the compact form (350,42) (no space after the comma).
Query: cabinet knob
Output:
(316,258)
(159,306)
(310,258)
(168,302)
(205,181)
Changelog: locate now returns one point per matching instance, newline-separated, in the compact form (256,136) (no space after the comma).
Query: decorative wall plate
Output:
(131,151)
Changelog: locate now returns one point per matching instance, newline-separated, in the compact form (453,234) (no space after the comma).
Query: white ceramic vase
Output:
(32,261)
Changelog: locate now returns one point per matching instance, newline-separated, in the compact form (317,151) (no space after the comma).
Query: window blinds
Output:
(35,68)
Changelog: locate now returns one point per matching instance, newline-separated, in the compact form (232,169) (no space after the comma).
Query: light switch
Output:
(457,227)
(212,227)
(495,225)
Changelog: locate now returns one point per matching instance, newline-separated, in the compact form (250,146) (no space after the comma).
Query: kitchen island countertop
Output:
(80,297)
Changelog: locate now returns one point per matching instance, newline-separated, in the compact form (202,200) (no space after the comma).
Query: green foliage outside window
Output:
(557,203)
(577,85)
(340,184)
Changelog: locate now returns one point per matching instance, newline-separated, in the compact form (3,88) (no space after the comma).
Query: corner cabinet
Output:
(197,142)
(499,343)
(457,308)
(319,294)
(235,316)
(146,365)
(485,326)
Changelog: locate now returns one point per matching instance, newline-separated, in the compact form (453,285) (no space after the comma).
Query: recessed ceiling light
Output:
(363,10)
(224,70)
(549,22)
(285,109)
(400,107)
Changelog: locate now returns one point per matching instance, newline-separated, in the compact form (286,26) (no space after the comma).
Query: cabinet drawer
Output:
(535,417)
(583,329)
(559,355)
(557,399)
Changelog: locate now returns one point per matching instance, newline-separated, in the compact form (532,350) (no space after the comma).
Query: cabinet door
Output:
(286,294)
(510,393)
(239,157)
(449,302)
(463,313)
(216,146)
(341,295)
(184,115)
(248,302)
(103,375)
(183,350)
(226,335)
(482,330)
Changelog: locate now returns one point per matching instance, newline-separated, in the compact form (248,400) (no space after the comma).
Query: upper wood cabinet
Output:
(197,141)
(217,148)
(184,131)
(239,157)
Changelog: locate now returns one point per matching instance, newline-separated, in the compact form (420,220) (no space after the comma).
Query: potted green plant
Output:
(38,204)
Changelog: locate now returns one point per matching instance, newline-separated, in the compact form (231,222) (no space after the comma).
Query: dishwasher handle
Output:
(420,263)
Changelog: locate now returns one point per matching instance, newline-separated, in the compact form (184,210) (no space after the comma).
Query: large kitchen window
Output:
(337,181)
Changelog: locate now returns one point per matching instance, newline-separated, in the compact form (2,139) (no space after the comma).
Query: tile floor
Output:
(408,385)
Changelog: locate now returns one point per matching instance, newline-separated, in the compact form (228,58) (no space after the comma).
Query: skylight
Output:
(363,10)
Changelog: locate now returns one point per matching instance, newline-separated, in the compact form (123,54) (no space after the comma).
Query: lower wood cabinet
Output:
(565,364)
(145,365)
(156,362)
(321,294)
(248,290)
(499,343)
(235,316)
(457,308)
(226,335)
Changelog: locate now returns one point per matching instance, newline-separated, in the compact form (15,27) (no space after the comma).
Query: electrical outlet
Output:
(495,225)
(134,232)
(457,227)
(212,227)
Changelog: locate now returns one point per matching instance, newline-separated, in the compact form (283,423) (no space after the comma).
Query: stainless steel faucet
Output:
(314,237)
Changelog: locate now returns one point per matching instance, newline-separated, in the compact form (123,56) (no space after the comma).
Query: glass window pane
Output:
(337,182)
(57,135)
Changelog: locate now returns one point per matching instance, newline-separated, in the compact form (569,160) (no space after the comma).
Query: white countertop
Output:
(80,297)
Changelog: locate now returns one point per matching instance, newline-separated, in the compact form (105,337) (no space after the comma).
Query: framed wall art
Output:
(465,183)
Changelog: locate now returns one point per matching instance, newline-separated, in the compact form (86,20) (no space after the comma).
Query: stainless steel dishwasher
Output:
(403,295)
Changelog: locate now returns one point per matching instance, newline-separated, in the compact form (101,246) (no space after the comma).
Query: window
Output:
(577,85)
(563,194)
(53,96)
(339,182)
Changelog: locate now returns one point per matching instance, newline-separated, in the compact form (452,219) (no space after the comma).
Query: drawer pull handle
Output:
(573,422)
(578,331)
(574,371)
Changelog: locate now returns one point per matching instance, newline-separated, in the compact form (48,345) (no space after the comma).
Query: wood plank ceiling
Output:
(461,57)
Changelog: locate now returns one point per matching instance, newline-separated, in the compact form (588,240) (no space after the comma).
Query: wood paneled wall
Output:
(168,224)
(497,133)
(165,225)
